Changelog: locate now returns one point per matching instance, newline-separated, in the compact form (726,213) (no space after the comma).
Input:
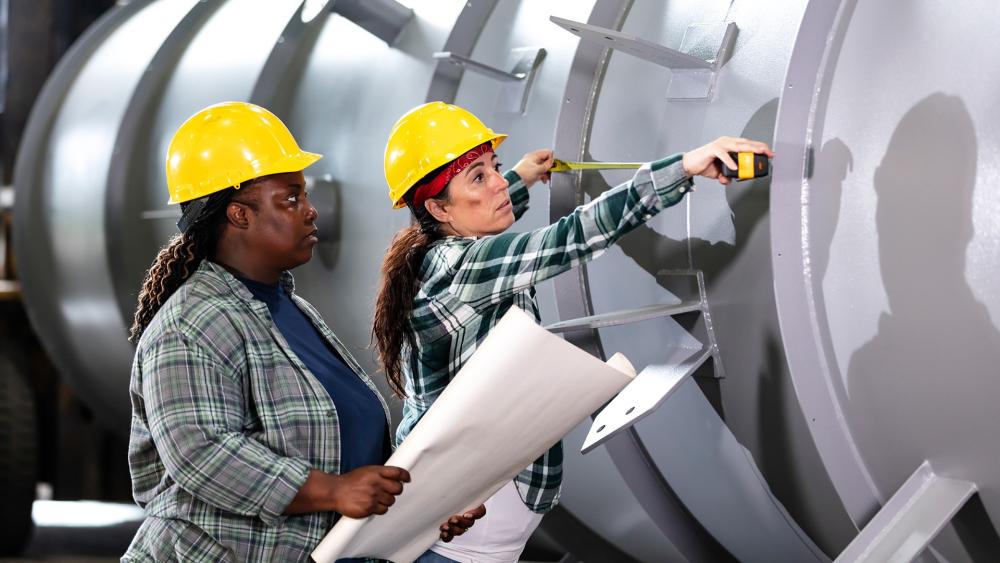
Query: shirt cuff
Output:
(283,491)
(518,191)
(670,180)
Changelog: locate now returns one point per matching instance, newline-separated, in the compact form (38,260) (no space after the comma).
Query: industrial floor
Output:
(80,532)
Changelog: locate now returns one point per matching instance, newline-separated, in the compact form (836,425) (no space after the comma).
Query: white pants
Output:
(498,537)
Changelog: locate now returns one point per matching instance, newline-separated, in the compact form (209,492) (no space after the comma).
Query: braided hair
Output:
(398,287)
(182,255)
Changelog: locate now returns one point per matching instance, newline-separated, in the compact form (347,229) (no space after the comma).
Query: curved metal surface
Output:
(685,537)
(134,181)
(129,144)
(793,291)
(384,19)
(58,273)
(271,89)
(344,109)
(885,250)
(133,155)
(717,232)
(223,60)
(91,165)
(721,485)
(462,40)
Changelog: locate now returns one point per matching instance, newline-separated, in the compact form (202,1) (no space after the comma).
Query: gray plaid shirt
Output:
(226,424)
(467,284)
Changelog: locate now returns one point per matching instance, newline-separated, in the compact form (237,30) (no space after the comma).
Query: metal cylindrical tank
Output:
(90,210)
(743,462)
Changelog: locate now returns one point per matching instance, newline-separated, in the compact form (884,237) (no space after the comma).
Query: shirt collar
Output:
(286,280)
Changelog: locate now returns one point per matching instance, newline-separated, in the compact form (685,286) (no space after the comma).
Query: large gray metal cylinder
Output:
(851,302)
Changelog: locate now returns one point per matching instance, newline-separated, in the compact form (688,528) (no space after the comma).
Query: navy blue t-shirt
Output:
(362,420)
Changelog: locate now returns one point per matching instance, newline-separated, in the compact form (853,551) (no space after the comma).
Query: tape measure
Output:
(569,165)
(749,165)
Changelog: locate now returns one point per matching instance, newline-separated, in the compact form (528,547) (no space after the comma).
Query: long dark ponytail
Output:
(398,287)
(182,255)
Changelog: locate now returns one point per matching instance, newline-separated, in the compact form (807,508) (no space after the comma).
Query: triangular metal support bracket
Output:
(704,48)
(656,383)
(515,84)
(911,519)
(704,329)
(693,299)
(643,395)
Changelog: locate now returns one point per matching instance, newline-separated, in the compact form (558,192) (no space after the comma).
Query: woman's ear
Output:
(437,210)
(237,215)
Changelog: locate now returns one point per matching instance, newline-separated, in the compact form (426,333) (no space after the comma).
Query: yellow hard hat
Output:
(428,137)
(227,144)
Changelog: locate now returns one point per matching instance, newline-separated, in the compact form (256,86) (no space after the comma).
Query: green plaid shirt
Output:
(226,424)
(467,284)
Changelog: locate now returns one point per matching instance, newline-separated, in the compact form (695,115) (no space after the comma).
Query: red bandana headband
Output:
(437,183)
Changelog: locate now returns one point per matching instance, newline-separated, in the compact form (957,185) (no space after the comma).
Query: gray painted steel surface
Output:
(61,177)
(882,229)
(717,231)
(885,246)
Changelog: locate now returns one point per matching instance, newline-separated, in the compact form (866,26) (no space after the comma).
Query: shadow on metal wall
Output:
(917,377)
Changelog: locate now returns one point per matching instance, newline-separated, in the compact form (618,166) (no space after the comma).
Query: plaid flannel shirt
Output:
(468,283)
(226,424)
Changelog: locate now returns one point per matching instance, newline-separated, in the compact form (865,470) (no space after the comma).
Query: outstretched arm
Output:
(493,268)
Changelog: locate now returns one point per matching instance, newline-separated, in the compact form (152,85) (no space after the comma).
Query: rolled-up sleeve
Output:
(195,405)
(519,197)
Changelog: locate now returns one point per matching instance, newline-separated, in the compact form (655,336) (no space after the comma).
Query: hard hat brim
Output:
(495,139)
(228,179)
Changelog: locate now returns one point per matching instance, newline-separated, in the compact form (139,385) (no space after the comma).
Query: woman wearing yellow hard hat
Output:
(449,278)
(253,427)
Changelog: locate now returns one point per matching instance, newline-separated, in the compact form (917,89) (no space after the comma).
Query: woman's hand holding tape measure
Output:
(717,160)
(724,159)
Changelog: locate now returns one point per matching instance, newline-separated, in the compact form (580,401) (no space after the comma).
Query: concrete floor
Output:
(80,532)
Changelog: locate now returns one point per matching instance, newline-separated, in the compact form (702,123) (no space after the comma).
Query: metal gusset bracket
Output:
(704,48)
(704,330)
(912,518)
(655,384)
(515,83)
(625,317)
(645,394)
(693,299)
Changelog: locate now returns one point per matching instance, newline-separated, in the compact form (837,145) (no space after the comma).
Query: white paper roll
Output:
(519,394)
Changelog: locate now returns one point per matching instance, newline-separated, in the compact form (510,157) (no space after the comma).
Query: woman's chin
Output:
(501,224)
(506,222)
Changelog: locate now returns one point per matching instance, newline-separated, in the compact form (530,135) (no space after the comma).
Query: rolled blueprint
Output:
(519,394)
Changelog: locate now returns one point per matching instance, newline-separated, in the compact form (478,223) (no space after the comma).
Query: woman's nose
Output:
(502,184)
(312,214)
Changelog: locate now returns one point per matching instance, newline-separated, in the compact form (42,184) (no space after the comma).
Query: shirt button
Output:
(647,217)
(683,189)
